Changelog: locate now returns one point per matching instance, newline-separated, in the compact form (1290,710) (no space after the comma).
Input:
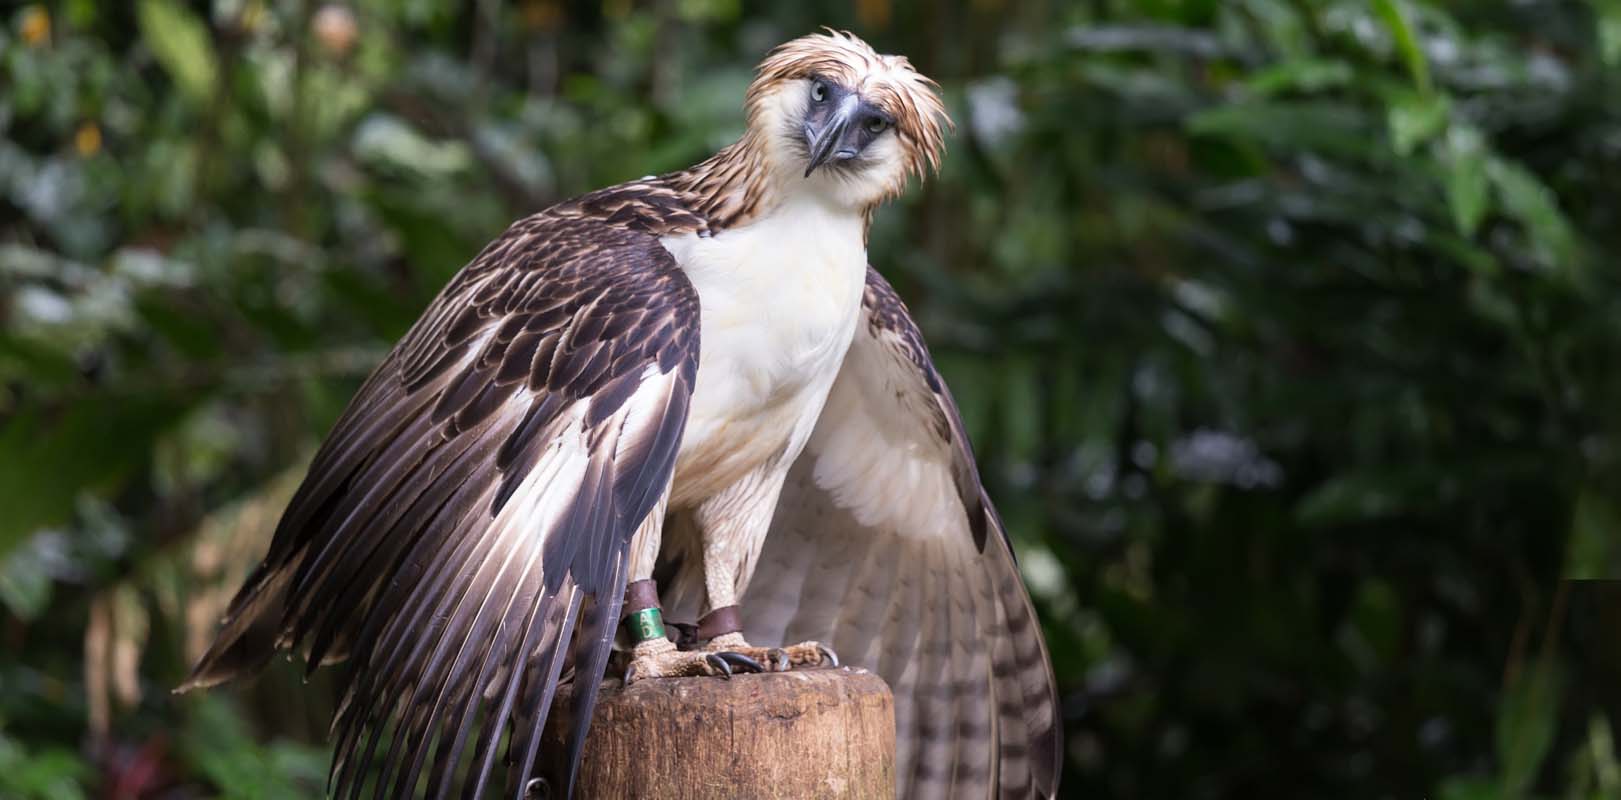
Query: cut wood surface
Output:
(815,733)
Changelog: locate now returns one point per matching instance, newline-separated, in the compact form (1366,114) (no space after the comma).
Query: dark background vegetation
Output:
(1287,332)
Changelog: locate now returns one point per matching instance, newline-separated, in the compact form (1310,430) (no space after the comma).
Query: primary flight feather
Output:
(686,394)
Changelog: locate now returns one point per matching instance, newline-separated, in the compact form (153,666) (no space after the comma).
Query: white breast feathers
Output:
(779,299)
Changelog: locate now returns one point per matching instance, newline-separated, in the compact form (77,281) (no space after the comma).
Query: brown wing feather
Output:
(931,600)
(469,514)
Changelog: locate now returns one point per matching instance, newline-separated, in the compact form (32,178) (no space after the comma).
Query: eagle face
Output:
(850,122)
(839,124)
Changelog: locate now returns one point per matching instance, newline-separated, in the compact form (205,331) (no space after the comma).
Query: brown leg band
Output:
(719,622)
(640,595)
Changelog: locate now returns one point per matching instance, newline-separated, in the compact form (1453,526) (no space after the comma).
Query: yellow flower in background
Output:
(87,140)
(36,25)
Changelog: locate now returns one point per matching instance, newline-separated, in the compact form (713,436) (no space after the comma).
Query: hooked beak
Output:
(830,142)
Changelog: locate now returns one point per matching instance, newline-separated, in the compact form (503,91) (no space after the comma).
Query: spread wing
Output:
(885,545)
(468,516)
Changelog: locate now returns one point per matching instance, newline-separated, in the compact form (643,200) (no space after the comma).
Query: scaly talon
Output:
(736,662)
(741,661)
(779,659)
(828,656)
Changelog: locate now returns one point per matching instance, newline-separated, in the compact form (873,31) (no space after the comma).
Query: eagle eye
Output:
(818,91)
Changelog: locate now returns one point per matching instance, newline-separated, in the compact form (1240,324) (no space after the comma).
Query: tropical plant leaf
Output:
(180,41)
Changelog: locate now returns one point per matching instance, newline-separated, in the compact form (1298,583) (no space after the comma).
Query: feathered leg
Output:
(733,526)
(654,655)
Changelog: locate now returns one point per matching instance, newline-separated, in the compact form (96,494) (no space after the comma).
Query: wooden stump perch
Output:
(825,733)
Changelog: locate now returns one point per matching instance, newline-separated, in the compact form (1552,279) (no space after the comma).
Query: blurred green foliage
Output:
(1288,333)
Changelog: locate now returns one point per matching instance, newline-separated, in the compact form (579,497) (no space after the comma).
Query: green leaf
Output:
(217,743)
(1021,408)
(702,10)
(1331,127)
(25,586)
(1601,756)
(1414,118)
(431,242)
(1281,25)
(181,43)
(1525,725)
(386,141)
(1303,75)
(1608,30)
(46,462)
(1363,495)
(42,363)
(1531,203)
(1470,789)
(55,773)
(1406,42)
(185,329)
(359,294)
(1375,623)
(1467,254)
(1463,160)
(1594,530)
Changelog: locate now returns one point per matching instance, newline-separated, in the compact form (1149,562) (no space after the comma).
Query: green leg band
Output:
(645,625)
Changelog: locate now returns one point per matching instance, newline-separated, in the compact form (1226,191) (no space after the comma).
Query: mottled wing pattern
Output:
(468,516)
(885,546)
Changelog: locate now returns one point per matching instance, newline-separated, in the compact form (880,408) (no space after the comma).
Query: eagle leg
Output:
(655,656)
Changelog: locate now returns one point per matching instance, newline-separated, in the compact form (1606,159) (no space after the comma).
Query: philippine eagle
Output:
(696,377)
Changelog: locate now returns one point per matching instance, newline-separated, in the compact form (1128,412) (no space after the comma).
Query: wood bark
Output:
(823,733)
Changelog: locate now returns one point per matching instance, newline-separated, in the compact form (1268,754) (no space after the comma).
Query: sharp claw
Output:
(828,656)
(630,674)
(741,661)
(719,664)
(779,659)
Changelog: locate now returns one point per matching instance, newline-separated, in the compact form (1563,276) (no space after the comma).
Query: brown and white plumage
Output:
(707,345)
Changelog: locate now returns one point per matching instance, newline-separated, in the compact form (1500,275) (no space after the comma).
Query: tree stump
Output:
(825,733)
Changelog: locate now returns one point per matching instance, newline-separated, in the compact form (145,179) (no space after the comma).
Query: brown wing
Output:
(471,510)
(885,545)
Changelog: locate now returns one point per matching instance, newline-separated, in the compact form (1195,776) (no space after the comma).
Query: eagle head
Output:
(835,114)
